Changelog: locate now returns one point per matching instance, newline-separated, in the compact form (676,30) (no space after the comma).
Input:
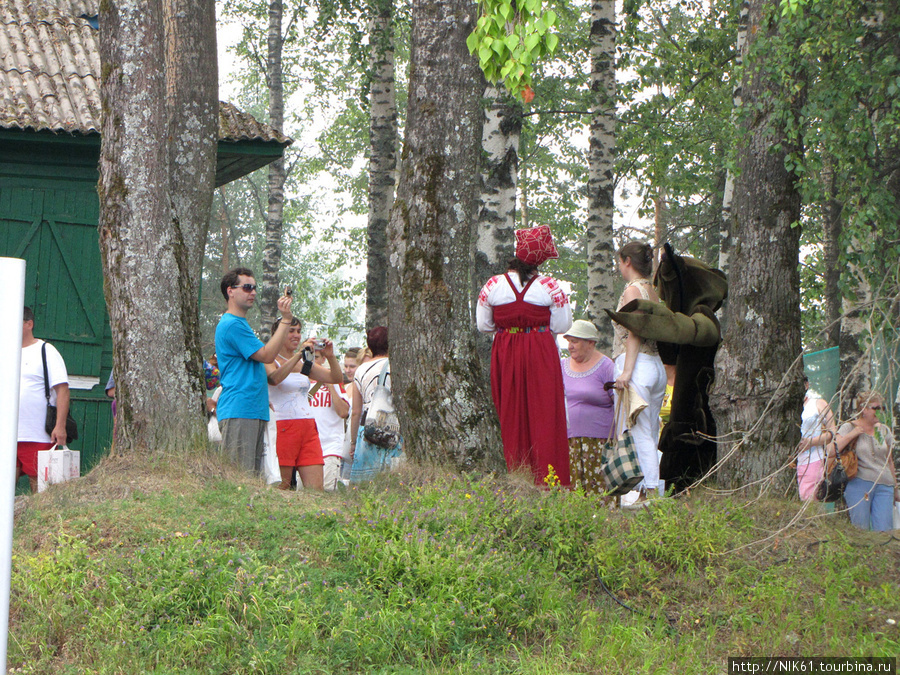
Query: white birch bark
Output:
(441,393)
(855,354)
(601,251)
(269,285)
(494,238)
(382,157)
(726,241)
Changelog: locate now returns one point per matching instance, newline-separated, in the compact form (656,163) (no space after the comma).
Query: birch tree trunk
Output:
(441,394)
(382,157)
(856,358)
(270,286)
(831,249)
(601,250)
(726,240)
(151,245)
(493,243)
(757,393)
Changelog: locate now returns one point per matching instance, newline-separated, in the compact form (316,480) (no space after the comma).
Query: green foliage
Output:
(674,135)
(441,575)
(509,37)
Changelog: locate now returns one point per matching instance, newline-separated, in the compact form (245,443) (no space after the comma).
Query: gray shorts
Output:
(242,442)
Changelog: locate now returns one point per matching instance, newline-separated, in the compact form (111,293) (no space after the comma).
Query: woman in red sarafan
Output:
(525,311)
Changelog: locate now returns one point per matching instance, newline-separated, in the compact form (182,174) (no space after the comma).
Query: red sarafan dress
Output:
(526,376)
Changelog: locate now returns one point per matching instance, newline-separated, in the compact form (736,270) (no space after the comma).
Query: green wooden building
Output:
(49,209)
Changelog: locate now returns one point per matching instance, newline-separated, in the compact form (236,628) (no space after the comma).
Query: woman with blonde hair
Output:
(870,495)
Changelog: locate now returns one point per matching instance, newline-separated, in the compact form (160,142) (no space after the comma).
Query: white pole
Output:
(12,271)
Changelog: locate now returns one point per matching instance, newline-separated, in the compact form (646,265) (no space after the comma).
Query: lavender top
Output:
(590,407)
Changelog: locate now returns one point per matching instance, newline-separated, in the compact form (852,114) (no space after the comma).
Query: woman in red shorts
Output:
(297,443)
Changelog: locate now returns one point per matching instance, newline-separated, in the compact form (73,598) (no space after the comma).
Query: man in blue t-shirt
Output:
(243,408)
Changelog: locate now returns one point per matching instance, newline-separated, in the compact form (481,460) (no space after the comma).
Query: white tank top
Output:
(290,399)
(811,421)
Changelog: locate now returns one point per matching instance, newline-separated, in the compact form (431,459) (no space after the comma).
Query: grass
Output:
(176,565)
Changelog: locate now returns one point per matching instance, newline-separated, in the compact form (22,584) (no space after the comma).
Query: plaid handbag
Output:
(621,470)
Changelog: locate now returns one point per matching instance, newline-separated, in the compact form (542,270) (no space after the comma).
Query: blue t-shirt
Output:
(245,393)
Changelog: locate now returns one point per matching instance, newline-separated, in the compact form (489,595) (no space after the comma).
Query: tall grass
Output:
(429,573)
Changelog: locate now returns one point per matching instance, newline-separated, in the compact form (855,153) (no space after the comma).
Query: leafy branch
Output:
(509,37)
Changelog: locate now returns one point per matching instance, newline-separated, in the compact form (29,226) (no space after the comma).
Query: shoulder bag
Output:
(840,468)
(621,470)
(382,427)
(50,422)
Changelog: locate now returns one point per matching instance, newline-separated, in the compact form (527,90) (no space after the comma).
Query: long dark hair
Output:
(641,255)
(524,270)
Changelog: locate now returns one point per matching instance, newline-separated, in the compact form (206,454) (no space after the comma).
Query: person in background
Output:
(32,434)
(525,311)
(111,393)
(817,429)
(589,404)
(211,372)
(297,441)
(638,364)
(369,460)
(350,364)
(331,408)
(871,494)
(243,406)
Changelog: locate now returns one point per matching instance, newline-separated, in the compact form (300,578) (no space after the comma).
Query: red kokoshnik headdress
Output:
(535,245)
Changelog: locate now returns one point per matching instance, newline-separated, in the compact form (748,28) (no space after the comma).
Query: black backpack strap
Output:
(46,379)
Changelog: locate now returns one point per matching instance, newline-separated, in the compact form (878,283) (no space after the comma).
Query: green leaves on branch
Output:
(509,37)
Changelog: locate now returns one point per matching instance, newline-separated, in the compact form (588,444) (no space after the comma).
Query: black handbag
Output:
(831,488)
(50,423)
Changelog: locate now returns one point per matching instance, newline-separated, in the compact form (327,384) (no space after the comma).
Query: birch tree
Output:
(440,391)
(493,242)
(269,288)
(757,394)
(601,250)
(382,157)
(726,240)
(159,93)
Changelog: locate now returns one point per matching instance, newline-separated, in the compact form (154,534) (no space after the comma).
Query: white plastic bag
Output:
(382,427)
(270,470)
(212,430)
(57,465)
(896,513)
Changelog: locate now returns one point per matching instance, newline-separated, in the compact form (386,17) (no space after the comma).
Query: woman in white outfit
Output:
(638,363)
(817,429)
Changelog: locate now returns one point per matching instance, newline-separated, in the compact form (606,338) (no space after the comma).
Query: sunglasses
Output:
(247,288)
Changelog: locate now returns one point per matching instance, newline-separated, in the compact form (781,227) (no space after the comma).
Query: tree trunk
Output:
(192,101)
(151,239)
(601,250)
(856,358)
(494,239)
(726,240)
(757,395)
(831,248)
(441,394)
(270,286)
(382,158)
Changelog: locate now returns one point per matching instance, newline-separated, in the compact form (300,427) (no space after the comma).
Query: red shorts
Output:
(298,443)
(26,456)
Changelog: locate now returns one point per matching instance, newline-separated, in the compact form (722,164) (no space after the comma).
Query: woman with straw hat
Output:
(587,376)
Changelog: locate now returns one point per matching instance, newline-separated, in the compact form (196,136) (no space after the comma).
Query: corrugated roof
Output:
(50,73)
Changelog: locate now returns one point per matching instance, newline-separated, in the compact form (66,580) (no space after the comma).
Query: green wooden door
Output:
(54,228)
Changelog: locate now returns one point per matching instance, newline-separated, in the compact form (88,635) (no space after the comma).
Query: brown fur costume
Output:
(688,335)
